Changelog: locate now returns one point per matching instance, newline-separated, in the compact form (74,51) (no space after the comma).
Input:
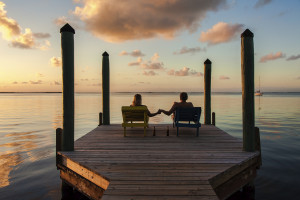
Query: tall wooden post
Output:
(207,92)
(247,68)
(67,51)
(105,88)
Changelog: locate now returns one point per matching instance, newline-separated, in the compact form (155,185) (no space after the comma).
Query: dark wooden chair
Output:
(187,117)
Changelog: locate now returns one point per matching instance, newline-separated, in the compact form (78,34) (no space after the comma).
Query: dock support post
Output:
(214,118)
(100,119)
(67,51)
(207,92)
(257,144)
(247,69)
(59,135)
(105,88)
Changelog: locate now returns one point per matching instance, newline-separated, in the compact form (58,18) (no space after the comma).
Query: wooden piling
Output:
(213,118)
(257,143)
(247,69)
(207,92)
(100,119)
(59,133)
(67,51)
(105,88)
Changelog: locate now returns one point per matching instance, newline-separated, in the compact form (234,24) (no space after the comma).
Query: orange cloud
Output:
(36,82)
(56,61)
(224,78)
(220,33)
(149,73)
(134,53)
(118,21)
(11,31)
(272,56)
(136,63)
(185,71)
(193,50)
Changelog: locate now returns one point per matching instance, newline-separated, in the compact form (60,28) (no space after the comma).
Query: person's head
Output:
(137,100)
(183,96)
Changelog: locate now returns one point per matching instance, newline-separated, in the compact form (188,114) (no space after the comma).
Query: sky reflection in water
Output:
(28,123)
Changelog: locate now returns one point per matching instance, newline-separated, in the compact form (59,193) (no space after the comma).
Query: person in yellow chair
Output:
(137,101)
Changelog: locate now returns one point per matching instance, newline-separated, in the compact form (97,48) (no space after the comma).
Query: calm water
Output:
(28,123)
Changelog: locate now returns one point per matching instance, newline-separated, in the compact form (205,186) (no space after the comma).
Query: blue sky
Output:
(157,45)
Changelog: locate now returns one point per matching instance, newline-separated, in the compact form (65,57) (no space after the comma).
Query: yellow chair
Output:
(135,116)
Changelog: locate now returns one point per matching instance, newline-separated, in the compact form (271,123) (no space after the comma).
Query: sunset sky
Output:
(153,45)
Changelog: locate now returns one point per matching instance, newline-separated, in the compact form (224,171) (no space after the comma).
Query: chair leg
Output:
(124,131)
(177,132)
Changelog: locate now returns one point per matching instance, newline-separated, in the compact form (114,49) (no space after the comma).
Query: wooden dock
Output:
(105,165)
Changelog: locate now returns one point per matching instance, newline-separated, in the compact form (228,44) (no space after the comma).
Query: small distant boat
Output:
(258,92)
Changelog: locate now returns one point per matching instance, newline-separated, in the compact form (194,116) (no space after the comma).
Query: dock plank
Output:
(161,166)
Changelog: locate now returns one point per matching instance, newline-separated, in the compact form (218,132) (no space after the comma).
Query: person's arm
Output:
(153,114)
(170,111)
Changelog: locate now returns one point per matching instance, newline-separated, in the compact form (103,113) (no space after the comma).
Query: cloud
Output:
(39,75)
(271,56)
(298,78)
(155,57)
(56,83)
(261,3)
(134,53)
(96,84)
(118,21)
(8,26)
(185,71)
(293,57)
(136,63)
(12,32)
(220,33)
(152,65)
(60,21)
(224,78)
(149,73)
(15,82)
(192,50)
(56,61)
(41,35)
(36,82)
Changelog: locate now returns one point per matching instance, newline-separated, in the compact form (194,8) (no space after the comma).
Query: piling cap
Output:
(207,61)
(67,28)
(247,33)
(105,54)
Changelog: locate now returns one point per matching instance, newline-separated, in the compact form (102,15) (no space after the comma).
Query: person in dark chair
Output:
(181,104)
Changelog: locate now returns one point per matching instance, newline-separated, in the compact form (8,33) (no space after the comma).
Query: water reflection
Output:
(8,161)
(28,123)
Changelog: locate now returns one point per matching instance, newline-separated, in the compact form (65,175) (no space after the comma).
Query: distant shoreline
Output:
(143,92)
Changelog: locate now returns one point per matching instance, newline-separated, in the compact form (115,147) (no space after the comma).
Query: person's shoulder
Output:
(190,104)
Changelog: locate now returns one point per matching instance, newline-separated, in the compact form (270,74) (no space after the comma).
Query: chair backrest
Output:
(134,113)
(188,114)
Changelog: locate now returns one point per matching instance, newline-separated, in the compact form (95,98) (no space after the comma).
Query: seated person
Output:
(181,104)
(137,101)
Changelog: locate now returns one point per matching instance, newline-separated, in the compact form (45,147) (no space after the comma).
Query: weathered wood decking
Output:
(211,166)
